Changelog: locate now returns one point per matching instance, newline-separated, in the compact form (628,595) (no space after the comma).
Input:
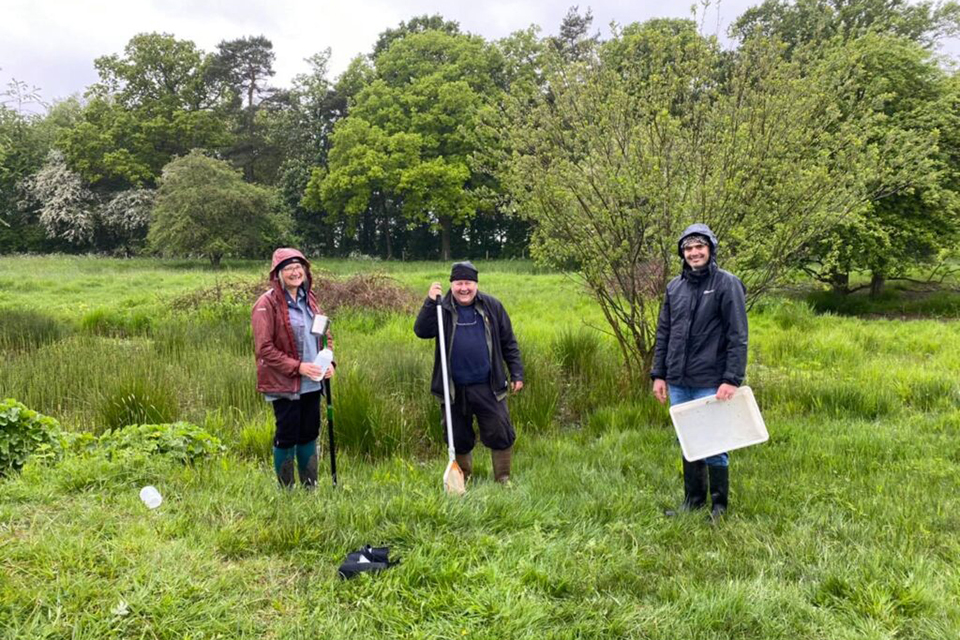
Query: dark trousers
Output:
(298,421)
(493,419)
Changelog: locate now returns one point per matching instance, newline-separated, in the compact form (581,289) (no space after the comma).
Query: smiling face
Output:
(464,291)
(697,255)
(291,276)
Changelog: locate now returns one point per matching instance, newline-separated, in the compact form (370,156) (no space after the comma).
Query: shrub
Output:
(24,432)
(368,291)
(377,292)
(179,441)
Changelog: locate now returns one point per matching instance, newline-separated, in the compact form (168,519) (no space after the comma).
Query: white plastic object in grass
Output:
(151,497)
(707,427)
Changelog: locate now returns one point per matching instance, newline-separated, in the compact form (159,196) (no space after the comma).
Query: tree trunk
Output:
(385,230)
(445,224)
(840,282)
(368,234)
(215,260)
(877,282)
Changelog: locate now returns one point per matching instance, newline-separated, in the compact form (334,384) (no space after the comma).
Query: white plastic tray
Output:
(707,427)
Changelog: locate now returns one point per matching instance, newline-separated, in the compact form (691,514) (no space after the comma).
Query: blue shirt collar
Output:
(300,296)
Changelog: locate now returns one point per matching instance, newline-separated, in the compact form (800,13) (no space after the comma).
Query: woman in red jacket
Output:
(286,374)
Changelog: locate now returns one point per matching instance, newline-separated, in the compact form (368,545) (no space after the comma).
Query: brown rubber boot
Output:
(465,460)
(501,464)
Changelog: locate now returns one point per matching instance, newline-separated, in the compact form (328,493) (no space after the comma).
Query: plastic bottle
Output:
(324,359)
(151,497)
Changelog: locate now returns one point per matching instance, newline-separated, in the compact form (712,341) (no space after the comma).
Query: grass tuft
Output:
(137,401)
(26,330)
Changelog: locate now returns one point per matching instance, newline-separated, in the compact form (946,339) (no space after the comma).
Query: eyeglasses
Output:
(292,268)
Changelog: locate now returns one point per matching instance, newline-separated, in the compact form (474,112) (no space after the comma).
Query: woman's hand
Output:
(313,371)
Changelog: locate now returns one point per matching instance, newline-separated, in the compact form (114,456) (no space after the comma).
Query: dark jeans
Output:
(298,421)
(493,419)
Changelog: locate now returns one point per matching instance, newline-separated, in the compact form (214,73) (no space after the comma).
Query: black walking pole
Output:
(333,447)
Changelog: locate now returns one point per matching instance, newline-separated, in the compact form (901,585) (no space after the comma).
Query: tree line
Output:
(825,140)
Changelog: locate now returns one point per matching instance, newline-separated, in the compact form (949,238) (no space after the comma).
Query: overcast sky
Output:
(51,44)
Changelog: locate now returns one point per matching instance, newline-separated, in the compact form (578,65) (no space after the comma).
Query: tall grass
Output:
(25,330)
(892,302)
(191,364)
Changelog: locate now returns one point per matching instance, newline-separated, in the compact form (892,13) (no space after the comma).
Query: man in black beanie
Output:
(481,351)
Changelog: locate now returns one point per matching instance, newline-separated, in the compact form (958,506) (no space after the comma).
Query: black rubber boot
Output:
(694,487)
(719,490)
(308,473)
(465,460)
(286,473)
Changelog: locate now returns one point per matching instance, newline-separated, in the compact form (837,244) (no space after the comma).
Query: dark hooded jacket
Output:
(702,331)
(278,360)
(501,342)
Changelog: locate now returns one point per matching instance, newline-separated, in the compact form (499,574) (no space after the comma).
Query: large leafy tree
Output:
(913,227)
(21,153)
(797,22)
(158,74)
(203,207)
(891,41)
(431,86)
(366,167)
(659,128)
(151,104)
(417,24)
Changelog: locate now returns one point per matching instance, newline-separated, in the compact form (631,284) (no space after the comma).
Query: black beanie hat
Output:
(463,271)
(289,261)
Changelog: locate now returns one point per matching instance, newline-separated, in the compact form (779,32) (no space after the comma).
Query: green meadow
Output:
(846,524)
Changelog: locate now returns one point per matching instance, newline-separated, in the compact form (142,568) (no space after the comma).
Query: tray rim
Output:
(751,407)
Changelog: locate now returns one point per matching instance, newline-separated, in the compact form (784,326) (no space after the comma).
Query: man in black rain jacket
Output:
(701,350)
(480,341)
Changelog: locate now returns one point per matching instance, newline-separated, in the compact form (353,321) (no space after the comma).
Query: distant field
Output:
(844,525)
